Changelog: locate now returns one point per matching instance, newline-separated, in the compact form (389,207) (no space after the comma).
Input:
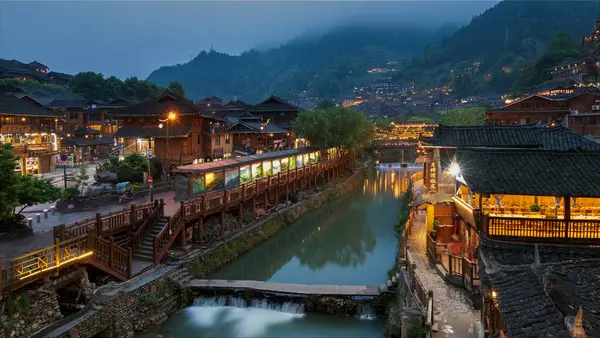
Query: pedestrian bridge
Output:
(287,289)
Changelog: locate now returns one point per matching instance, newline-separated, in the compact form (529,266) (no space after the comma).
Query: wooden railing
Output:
(455,265)
(423,296)
(142,231)
(112,256)
(22,269)
(165,238)
(535,229)
(432,249)
(470,275)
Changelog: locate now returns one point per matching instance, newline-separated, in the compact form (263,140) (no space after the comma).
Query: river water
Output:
(349,241)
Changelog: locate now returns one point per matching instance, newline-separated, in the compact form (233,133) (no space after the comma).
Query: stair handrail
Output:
(144,228)
(167,235)
(115,254)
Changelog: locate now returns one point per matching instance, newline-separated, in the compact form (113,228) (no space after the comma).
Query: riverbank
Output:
(149,299)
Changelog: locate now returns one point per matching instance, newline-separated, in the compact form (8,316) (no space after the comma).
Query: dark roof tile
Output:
(159,107)
(154,132)
(11,105)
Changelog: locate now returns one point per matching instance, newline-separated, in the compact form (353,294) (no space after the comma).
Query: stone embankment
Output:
(120,310)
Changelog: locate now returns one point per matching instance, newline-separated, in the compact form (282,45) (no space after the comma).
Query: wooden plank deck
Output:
(297,289)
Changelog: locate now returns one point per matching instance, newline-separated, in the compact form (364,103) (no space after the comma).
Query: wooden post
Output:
(254,203)
(99,224)
(201,225)
(226,199)
(91,238)
(133,216)
(162,207)
(567,215)
(130,262)
(287,190)
(57,252)
(61,232)
(112,253)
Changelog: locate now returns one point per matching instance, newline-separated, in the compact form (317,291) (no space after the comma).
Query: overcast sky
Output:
(133,38)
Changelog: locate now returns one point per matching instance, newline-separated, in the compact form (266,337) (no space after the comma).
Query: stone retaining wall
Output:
(149,299)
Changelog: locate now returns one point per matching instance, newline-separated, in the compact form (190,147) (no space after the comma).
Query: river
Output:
(349,241)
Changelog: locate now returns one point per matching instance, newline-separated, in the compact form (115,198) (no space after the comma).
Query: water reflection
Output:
(347,241)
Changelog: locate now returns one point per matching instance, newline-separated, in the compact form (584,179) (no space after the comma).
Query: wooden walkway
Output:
(295,289)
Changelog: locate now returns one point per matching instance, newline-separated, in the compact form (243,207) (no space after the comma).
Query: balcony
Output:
(33,150)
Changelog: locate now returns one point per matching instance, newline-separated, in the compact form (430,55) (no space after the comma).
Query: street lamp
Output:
(171,116)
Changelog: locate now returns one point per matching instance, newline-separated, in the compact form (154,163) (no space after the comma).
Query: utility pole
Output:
(65,174)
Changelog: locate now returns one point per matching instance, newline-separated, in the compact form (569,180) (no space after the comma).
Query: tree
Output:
(93,86)
(81,178)
(335,127)
(9,179)
(464,117)
(562,41)
(176,88)
(325,104)
(420,119)
(34,190)
(131,169)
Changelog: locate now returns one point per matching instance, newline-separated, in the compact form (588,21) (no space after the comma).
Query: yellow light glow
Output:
(87,254)
(23,119)
(210,177)
(172,116)
(494,294)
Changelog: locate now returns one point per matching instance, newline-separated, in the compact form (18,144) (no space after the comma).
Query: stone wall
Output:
(148,300)
(23,313)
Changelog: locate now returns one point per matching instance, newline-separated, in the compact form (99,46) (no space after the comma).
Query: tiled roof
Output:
(274,103)
(537,286)
(486,136)
(510,136)
(254,127)
(159,107)
(531,171)
(11,105)
(80,141)
(154,132)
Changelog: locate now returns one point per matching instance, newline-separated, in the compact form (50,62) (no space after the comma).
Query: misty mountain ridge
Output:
(323,64)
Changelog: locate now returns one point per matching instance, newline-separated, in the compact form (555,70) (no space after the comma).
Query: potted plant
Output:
(436,223)
(534,208)
(432,233)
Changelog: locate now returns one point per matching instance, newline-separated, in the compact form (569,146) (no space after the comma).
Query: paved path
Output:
(296,289)
(454,316)
(42,236)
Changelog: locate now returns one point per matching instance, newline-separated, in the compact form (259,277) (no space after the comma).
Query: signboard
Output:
(433,177)
(15,129)
(63,157)
(150,180)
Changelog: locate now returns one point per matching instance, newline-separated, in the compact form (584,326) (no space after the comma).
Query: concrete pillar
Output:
(38,218)
(53,210)
(30,222)
(45,213)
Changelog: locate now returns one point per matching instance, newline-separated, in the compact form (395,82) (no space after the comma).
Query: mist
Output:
(136,37)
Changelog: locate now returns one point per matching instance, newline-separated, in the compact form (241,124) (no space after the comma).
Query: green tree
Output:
(34,190)
(464,117)
(325,104)
(562,41)
(176,88)
(9,180)
(93,86)
(81,178)
(420,119)
(131,169)
(335,127)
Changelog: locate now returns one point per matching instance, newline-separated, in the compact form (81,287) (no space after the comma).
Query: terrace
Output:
(530,195)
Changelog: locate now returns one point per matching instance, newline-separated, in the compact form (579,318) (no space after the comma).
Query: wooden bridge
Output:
(287,289)
(133,240)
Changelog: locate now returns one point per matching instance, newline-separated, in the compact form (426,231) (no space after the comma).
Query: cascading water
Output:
(365,311)
(239,302)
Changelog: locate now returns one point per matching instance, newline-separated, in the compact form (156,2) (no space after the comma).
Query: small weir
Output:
(239,302)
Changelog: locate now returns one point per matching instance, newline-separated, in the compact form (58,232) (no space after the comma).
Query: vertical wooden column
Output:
(112,253)
(132,217)
(567,215)
(98,224)
(222,222)
(130,262)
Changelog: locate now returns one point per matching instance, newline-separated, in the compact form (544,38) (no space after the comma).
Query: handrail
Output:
(138,236)
(113,256)
(167,235)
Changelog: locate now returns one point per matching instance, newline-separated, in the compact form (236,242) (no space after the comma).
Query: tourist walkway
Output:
(453,314)
(42,232)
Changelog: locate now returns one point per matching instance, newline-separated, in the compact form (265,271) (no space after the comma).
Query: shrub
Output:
(416,332)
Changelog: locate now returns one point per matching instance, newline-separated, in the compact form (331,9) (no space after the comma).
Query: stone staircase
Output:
(145,250)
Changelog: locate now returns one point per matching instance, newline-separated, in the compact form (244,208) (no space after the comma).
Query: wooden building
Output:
(198,179)
(578,110)
(172,130)
(250,133)
(14,69)
(277,111)
(32,131)
(585,69)
(510,199)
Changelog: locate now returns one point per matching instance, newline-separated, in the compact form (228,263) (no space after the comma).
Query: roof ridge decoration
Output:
(578,330)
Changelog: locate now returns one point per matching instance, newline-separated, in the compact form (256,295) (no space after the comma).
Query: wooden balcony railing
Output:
(423,296)
(19,270)
(162,242)
(112,256)
(540,229)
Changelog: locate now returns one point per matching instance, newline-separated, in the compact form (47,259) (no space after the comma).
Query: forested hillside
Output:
(504,39)
(324,66)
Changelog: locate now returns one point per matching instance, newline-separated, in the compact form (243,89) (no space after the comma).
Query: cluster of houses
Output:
(171,130)
(513,216)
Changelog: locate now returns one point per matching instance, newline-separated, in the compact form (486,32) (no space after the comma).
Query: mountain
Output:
(325,65)
(502,40)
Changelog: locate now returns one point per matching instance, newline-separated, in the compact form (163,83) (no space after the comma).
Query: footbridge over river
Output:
(283,289)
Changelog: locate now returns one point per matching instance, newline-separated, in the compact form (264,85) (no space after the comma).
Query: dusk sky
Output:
(134,38)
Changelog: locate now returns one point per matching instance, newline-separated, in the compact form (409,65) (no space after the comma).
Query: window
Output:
(227,138)
(218,140)
(74,115)
(95,116)
(97,127)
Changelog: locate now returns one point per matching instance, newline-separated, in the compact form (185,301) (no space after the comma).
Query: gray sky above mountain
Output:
(133,38)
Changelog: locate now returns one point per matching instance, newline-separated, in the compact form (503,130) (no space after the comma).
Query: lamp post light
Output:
(170,117)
